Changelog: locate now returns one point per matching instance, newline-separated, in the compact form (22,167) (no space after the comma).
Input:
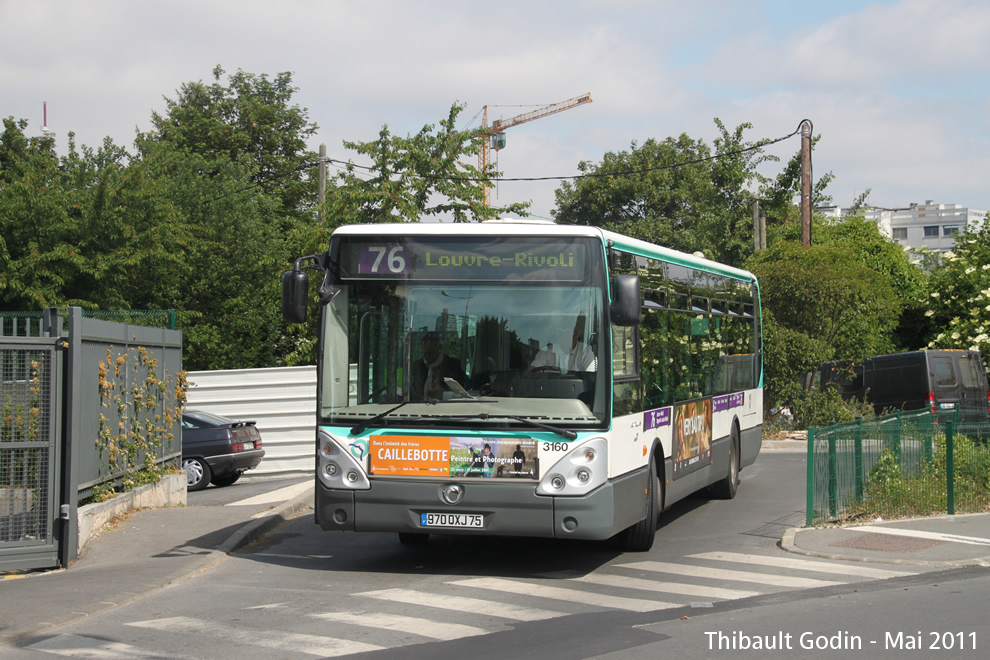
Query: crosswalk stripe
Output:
(568,595)
(81,646)
(725,574)
(441,630)
(664,587)
(463,604)
(272,639)
(802,564)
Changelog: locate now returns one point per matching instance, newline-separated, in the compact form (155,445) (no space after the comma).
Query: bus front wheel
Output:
(639,537)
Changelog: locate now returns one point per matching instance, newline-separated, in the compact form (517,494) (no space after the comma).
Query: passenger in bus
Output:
(581,358)
(432,368)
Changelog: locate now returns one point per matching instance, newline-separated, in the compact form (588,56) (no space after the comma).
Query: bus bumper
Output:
(509,509)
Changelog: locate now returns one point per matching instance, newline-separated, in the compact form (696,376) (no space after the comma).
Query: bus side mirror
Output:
(626,308)
(295,292)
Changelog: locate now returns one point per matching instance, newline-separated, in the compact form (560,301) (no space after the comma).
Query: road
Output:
(714,584)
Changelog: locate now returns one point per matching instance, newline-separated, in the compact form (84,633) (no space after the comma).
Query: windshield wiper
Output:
(570,435)
(371,421)
(456,387)
(361,426)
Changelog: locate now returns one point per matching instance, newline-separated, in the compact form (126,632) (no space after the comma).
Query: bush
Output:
(816,408)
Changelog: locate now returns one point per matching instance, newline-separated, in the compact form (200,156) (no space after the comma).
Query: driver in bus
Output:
(545,360)
(430,370)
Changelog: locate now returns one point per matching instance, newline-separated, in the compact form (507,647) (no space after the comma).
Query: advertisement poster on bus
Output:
(493,458)
(444,456)
(692,436)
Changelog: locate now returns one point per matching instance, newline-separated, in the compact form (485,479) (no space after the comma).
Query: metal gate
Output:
(30,378)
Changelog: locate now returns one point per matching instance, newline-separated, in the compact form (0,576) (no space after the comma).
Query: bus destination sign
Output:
(446,259)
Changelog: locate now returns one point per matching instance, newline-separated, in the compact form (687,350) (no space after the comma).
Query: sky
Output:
(897,90)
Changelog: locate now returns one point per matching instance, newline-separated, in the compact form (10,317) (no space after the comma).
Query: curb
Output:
(257,528)
(788,544)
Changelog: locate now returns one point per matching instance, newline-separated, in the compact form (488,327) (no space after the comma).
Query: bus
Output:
(522,378)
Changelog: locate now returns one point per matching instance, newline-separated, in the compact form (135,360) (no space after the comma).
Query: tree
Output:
(87,229)
(37,254)
(232,159)
(252,115)
(423,175)
(824,302)
(677,192)
(873,249)
(958,302)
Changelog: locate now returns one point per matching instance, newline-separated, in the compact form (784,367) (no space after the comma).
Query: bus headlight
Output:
(337,467)
(579,472)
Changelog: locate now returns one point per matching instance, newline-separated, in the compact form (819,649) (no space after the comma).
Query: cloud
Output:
(898,89)
(879,45)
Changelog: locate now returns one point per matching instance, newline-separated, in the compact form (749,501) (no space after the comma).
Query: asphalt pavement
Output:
(144,552)
(151,549)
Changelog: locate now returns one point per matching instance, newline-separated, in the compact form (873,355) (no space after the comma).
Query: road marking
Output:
(271,639)
(724,574)
(81,646)
(568,595)
(462,604)
(664,587)
(934,536)
(802,564)
(441,630)
(271,497)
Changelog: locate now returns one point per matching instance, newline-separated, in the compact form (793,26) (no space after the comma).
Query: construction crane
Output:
(495,134)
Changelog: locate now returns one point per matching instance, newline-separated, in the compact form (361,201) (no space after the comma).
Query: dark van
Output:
(942,380)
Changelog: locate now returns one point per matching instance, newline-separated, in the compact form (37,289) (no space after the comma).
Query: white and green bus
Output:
(524,378)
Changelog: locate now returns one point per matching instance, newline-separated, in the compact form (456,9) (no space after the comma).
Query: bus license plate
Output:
(474,520)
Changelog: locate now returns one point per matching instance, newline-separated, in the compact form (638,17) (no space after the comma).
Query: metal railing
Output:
(29,323)
(906,464)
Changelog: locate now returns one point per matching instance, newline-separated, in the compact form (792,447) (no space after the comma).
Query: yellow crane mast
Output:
(495,134)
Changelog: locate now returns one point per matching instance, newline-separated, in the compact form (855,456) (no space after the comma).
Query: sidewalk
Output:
(147,551)
(943,541)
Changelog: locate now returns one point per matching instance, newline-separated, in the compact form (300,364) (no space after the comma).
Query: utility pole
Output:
(321,196)
(806,183)
(759,226)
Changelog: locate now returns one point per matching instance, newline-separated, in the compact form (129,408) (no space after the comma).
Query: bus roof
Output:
(527,227)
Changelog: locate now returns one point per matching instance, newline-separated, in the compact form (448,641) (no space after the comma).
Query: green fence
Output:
(29,324)
(906,464)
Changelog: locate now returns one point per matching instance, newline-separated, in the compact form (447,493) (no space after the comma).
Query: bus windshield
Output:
(533,350)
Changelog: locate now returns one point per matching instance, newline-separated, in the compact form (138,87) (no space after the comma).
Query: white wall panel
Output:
(283,403)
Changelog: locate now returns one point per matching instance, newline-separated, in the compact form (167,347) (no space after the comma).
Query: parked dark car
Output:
(217,449)
(937,380)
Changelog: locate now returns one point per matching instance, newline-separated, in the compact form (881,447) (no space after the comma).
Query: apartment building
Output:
(929,225)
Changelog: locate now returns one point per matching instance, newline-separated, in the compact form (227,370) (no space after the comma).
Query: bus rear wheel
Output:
(726,488)
(639,537)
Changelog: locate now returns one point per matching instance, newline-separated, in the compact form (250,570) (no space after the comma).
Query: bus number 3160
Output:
(555,446)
